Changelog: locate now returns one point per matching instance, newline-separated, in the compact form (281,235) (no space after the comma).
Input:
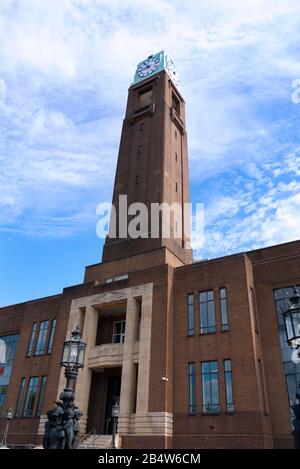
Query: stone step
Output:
(99,442)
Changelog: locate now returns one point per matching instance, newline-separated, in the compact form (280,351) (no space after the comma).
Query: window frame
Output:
(230,409)
(215,407)
(210,328)
(121,334)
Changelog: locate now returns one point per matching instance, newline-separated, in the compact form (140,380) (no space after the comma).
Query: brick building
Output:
(194,352)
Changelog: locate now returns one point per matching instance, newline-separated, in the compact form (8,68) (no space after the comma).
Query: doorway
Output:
(113,397)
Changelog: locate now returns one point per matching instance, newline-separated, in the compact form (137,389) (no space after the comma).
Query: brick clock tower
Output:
(153,164)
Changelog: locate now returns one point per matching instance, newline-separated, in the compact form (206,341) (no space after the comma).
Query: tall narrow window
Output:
(41,396)
(137,179)
(40,345)
(52,334)
(224,309)
(146,97)
(191,315)
(118,332)
(32,337)
(192,388)
(210,387)
(207,312)
(140,148)
(254,310)
(20,397)
(175,103)
(176,186)
(176,156)
(228,386)
(30,397)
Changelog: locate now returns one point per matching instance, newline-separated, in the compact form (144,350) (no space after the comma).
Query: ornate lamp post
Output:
(9,416)
(115,415)
(62,428)
(292,328)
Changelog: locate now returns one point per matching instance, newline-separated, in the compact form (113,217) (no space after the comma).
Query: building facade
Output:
(194,352)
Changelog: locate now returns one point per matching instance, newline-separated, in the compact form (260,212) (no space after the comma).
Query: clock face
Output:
(148,66)
(174,75)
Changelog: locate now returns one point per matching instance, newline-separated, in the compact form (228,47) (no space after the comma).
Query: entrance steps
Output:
(99,442)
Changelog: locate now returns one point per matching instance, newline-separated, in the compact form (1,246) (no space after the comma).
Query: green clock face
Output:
(154,64)
(148,66)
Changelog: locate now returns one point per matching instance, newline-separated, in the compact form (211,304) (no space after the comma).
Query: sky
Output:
(65,69)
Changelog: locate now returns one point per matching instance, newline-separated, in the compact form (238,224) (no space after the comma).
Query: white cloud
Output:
(66,66)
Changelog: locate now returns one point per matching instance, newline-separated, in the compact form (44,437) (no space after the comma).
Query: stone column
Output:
(142,398)
(83,385)
(128,382)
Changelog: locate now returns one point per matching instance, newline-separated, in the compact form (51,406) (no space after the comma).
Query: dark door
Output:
(113,397)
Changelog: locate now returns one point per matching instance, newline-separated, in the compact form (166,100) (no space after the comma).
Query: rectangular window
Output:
(30,397)
(40,346)
(118,332)
(228,386)
(32,337)
(41,396)
(191,315)
(52,334)
(210,387)
(192,388)
(8,347)
(224,310)
(207,312)
(175,103)
(20,397)
(146,97)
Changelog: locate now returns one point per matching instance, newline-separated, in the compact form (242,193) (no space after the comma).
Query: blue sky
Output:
(65,68)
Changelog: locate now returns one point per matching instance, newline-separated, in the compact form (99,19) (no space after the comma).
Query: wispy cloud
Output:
(65,69)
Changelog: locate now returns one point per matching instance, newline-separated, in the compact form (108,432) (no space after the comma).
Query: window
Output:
(207,312)
(41,396)
(20,397)
(224,312)
(118,332)
(210,387)
(192,388)
(228,386)
(8,347)
(146,97)
(52,334)
(40,346)
(137,179)
(32,337)
(176,156)
(253,309)
(142,126)
(140,148)
(30,397)
(176,187)
(191,315)
(175,103)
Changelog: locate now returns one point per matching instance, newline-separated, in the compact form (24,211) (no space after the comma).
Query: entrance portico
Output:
(130,358)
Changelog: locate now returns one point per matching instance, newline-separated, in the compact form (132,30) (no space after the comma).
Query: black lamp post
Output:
(115,415)
(292,328)
(62,428)
(9,416)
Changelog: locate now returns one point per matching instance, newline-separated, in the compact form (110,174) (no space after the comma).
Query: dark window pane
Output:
(207,312)
(30,397)
(40,346)
(41,396)
(20,397)
(210,387)
(228,386)
(32,338)
(52,334)
(192,388)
